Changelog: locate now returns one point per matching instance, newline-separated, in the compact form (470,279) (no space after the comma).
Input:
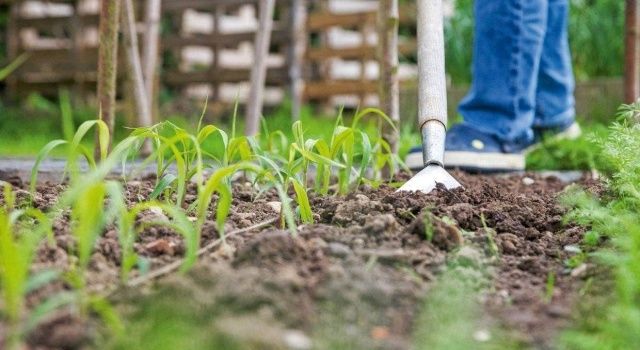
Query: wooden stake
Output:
(259,69)
(13,48)
(141,98)
(150,48)
(389,84)
(297,25)
(107,61)
(632,52)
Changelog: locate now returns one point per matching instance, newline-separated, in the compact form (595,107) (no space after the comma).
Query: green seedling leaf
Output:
(88,221)
(44,153)
(162,185)
(108,315)
(43,310)
(41,279)
(287,213)
(372,111)
(303,202)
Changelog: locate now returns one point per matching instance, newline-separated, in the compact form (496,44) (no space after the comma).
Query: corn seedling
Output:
(75,149)
(284,176)
(128,232)
(218,182)
(21,232)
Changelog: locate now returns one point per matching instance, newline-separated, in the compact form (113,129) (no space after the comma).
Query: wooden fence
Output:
(208,48)
(214,58)
(344,59)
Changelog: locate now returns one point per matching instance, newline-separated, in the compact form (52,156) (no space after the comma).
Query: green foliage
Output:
(21,232)
(578,154)
(615,215)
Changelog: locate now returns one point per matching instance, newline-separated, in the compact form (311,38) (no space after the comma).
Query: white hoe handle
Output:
(432,79)
(432,87)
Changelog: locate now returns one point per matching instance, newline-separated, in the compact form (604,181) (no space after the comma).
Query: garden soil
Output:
(356,279)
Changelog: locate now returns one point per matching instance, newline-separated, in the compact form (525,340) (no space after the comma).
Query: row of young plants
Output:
(209,158)
(613,218)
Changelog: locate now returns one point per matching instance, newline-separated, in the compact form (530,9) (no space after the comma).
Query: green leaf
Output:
(45,309)
(162,185)
(44,152)
(303,201)
(6,71)
(41,279)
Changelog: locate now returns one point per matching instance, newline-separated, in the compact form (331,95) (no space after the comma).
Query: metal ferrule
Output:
(433,141)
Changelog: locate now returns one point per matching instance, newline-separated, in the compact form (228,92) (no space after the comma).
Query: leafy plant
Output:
(614,215)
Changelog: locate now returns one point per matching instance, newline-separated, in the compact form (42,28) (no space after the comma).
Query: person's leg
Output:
(555,104)
(509,37)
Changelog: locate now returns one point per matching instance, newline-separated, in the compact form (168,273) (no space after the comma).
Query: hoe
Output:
(432,100)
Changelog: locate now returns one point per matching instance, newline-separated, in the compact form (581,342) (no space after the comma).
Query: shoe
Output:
(472,150)
(469,149)
(567,131)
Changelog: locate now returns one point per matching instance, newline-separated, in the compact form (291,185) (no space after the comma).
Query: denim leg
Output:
(555,103)
(509,36)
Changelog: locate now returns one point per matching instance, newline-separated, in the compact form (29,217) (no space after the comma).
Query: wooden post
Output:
(107,60)
(365,30)
(13,47)
(77,27)
(140,92)
(259,69)
(632,52)
(389,84)
(150,49)
(297,48)
(217,54)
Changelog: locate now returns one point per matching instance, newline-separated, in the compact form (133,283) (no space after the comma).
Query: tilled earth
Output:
(357,279)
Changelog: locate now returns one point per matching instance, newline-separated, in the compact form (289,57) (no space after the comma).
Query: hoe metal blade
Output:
(427,179)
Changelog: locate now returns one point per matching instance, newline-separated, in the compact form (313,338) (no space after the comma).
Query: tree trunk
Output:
(259,69)
(389,84)
(150,50)
(107,61)
(632,53)
(297,47)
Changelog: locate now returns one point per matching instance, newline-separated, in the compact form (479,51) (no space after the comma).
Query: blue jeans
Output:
(522,74)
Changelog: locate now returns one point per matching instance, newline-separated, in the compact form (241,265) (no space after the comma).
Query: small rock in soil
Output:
(276,206)
(160,247)
(338,250)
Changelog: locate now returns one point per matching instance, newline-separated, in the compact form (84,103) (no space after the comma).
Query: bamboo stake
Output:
(259,69)
(389,84)
(632,52)
(135,68)
(107,61)
(298,22)
(150,49)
